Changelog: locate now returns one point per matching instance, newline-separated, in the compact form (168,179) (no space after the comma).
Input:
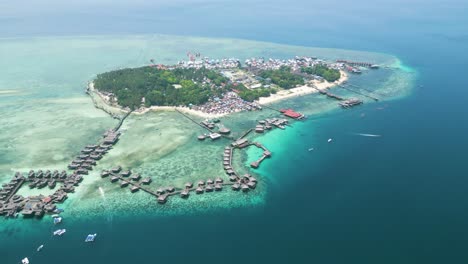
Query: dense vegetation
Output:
(323,71)
(254,94)
(283,77)
(157,86)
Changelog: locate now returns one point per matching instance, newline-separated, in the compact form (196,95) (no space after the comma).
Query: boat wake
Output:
(367,135)
(103,195)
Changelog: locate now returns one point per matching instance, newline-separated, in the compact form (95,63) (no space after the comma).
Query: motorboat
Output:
(40,248)
(57,220)
(59,232)
(329,140)
(90,238)
(25,261)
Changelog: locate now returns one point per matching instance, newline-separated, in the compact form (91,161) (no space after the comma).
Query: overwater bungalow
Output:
(235,187)
(232,178)
(83,156)
(55,174)
(184,193)
(63,174)
(86,151)
(39,174)
(201,183)
(134,188)
(170,189)
(218,187)
(47,174)
(146,180)
(32,184)
(136,177)
(199,190)
(209,181)
(188,185)
(114,178)
(104,173)
(162,198)
(126,173)
(91,146)
(52,184)
(245,187)
(90,161)
(116,169)
(86,166)
(82,171)
(41,184)
(209,188)
(252,185)
(95,156)
(230,172)
(218,180)
(123,184)
(73,166)
(160,191)
(31,174)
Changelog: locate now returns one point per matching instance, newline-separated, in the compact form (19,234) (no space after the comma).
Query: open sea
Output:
(400,197)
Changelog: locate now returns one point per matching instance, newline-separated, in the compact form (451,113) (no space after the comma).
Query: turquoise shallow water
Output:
(48,118)
(400,198)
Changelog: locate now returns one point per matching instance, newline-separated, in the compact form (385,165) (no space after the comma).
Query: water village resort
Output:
(199,87)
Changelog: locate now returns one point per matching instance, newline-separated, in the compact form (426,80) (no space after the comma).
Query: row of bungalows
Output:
(47,174)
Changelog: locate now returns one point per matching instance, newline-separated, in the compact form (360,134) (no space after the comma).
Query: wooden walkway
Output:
(357,92)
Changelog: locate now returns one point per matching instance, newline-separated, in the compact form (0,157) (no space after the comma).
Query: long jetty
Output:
(245,133)
(328,94)
(357,92)
(193,120)
(117,127)
(356,63)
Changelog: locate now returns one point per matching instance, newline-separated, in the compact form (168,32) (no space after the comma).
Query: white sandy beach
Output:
(302,90)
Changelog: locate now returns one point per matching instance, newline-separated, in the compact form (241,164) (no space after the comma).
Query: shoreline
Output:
(303,90)
(101,101)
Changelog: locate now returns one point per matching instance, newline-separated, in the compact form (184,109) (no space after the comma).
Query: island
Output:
(205,88)
(213,87)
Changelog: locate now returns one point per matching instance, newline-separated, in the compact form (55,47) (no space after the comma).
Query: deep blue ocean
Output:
(400,198)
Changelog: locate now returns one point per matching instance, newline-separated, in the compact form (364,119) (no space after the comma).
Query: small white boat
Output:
(330,140)
(40,248)
(311,149)
(25,261)
(90,238)
(57,220)
(59,232)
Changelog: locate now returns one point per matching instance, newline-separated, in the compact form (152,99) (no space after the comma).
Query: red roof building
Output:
(291,113)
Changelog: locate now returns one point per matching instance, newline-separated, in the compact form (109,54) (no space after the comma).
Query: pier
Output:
(12,204)
(117,127)
(357,92)
(266,154)
(357,63)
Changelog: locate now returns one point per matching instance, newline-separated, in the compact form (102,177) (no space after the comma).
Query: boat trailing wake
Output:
(367,135)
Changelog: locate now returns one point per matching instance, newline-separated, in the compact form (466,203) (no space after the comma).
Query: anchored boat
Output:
(59,232)
(90,238)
